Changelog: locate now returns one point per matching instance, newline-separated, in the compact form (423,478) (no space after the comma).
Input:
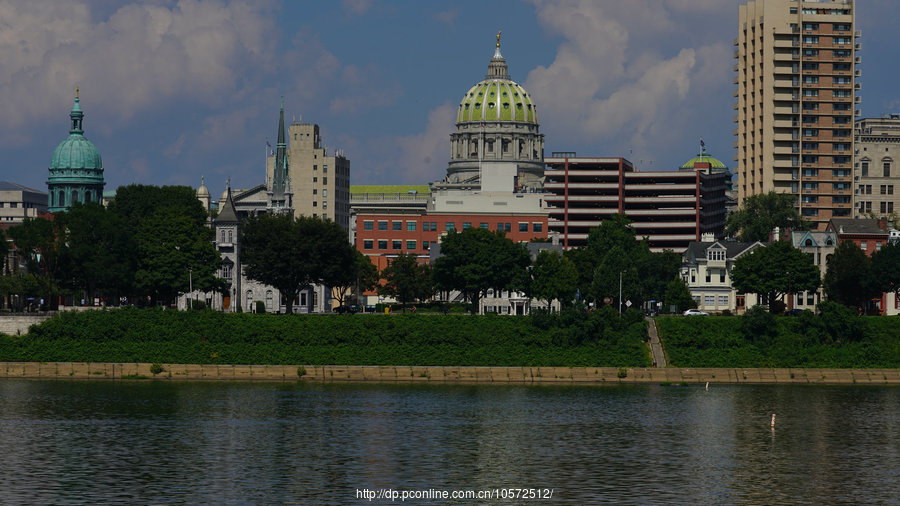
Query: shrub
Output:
(839,321)
(758,325)
(622,372)
(156,369)
(301,371)
(260,307)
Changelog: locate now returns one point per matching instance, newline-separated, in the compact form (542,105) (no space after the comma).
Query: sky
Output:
(176,90)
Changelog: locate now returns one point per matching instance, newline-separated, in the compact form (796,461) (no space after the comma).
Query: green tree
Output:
(37,242)
(553,276)
(849,279)
(174,244)
(679,295)
(773,271)
(760,214)
(886,268)
(291,254)
(361,276)
(475,260)
(406,280)
(585,261)
(99,251)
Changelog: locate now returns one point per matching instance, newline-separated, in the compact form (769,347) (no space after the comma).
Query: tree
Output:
(760,214)
(848,280)
(173,242)
(361,276)
(37,241)
(679,295)
(406,280)
(476,259)
(773,271)
(886,268)
(291,254)
(553,276)
(99,252)
(585,261)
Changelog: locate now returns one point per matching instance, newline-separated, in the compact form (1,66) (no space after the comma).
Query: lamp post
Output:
(620,292)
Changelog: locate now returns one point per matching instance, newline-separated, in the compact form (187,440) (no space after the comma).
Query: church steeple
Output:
(280,195)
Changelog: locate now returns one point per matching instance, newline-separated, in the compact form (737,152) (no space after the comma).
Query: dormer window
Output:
(715,255)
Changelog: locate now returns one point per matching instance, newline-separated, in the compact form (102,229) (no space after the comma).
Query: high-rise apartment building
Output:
(796,90)
(320,180)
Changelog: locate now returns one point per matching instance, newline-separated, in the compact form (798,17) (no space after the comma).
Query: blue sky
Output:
(175,90)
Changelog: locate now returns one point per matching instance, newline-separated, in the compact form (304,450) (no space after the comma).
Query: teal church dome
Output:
(76,169)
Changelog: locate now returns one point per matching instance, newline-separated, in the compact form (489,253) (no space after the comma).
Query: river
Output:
(88,442)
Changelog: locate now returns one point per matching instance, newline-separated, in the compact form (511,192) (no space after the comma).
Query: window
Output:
(810,199)
(810,26)
(708,275)
(810,159)
(467,224)
(810,172)
(842,93)
(721,275)
(324,180)
(841,146)
(811,145)
(810,132)
(410,226)
(434,226)
(811,39)
(397,225)
(226,270)
(841,53)
(810,93)
(230,236)
(382,243)
(810,106)
(841,80)
(368,225)
(382,225)
(886,165)
(810,186)
(715,255)
(709,300)
(325,192)
(877,245)
(315,203)
(864,168)
(841,199)
(723,300)
(842,40)
(449,226)
(810,79)
(841,159)
(396,244)
(269,298)
(537,227)
(249,306)
(315,167)
(841,27)
(411,245)
(523,227)
(840,186)
(315,180)
(810,119)
(222,240)
(883,190)
(425,227)
(810,52)
(485,226)
(864,245)
(367,243)
(425,245)
(841,133)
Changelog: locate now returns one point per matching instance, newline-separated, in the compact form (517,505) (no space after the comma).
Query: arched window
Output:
(249,307)
(75,196)
(269,298)
(808,242)
(87,196)
(61,200)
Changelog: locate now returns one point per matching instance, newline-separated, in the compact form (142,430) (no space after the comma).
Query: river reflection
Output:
(171,442)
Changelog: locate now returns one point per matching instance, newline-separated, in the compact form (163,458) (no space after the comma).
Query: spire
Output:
(279,173)
(227,212)
(77,116)
(497,68)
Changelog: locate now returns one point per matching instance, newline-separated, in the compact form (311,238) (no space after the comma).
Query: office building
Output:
(876,174)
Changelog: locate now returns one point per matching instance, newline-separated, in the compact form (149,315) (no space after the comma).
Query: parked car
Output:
(695,312)
(346,309)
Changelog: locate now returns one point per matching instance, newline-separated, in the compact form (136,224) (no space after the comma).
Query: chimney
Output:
(707,237)
(882,224)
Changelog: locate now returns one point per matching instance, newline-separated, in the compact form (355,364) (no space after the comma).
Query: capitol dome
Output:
(704,157)
(76,169)
(497,131)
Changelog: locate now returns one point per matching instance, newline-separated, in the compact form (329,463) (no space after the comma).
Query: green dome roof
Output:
(703,157)
(76,152)
(497,100)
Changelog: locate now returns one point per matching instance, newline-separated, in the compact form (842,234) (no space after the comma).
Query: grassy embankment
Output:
(208,337)
(825,341)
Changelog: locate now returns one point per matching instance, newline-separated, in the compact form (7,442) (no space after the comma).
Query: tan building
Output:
(876,171)
(19,202)
(319,180)
(796,90)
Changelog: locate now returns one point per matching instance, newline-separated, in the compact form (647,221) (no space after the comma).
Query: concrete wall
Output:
(16,324)
(562,375)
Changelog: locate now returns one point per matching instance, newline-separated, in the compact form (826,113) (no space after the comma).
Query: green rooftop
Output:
(390,188)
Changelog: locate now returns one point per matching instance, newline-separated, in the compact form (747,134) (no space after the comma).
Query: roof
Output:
(819,239)
(390,188)
(697,249)
(6,186)
(866,226)
(704,157)
(227,214)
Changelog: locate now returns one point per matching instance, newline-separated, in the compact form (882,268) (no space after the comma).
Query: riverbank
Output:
(443,374)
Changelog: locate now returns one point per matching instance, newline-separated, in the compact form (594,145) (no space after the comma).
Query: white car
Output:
(695,312)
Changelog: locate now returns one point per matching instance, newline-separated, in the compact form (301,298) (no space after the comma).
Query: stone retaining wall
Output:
(17,324)
(544,375)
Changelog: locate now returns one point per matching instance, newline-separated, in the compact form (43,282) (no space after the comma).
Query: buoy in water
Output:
(773,420)
(707,385)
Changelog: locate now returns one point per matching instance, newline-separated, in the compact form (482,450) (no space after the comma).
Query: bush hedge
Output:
(836,338)
(208,337)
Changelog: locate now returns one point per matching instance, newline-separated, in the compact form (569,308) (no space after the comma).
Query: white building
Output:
(706,268)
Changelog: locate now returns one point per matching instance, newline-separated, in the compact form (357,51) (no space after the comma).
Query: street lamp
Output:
(620,292)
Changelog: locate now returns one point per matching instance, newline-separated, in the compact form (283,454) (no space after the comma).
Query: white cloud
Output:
(625,73)
(140,56)
(356,7)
